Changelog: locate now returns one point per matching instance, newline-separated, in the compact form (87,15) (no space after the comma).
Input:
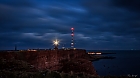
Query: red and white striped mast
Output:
(72,37)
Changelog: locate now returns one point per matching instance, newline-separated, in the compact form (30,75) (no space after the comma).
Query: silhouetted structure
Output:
(72,37)
(15,47)
(56,43)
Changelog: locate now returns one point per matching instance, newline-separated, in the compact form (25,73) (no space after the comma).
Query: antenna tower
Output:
(72,37)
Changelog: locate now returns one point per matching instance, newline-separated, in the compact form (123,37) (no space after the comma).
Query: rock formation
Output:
(55,60)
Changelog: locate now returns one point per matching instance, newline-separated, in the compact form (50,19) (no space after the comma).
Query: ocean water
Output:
(127,62)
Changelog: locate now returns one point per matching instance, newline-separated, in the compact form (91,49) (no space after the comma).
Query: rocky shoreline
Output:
(65,61)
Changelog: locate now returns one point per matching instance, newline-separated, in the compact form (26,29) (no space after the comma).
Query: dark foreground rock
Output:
(50,74)
(78,66)
(65,61)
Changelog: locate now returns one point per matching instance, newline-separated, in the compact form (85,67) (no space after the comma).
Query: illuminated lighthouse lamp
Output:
(56,43)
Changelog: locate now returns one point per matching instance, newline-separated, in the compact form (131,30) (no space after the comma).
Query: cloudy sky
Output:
(99,24)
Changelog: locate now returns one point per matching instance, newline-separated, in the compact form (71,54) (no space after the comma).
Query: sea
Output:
(127,62)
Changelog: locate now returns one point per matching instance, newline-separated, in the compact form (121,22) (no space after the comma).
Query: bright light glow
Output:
(72,28)
(91,53)
(31,50)
(56,42)
(98,53)
(72,34)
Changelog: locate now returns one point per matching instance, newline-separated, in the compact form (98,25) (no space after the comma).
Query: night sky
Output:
(99,24)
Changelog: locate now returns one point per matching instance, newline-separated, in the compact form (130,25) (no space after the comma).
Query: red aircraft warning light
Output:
(72,28)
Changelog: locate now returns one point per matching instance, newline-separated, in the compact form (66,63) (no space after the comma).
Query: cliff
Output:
(54,60)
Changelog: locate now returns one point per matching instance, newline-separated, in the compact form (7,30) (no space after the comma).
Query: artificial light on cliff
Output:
(56,42)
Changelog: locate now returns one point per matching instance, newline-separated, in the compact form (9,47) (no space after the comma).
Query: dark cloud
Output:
(132,5)
(104,24)
(18,3)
